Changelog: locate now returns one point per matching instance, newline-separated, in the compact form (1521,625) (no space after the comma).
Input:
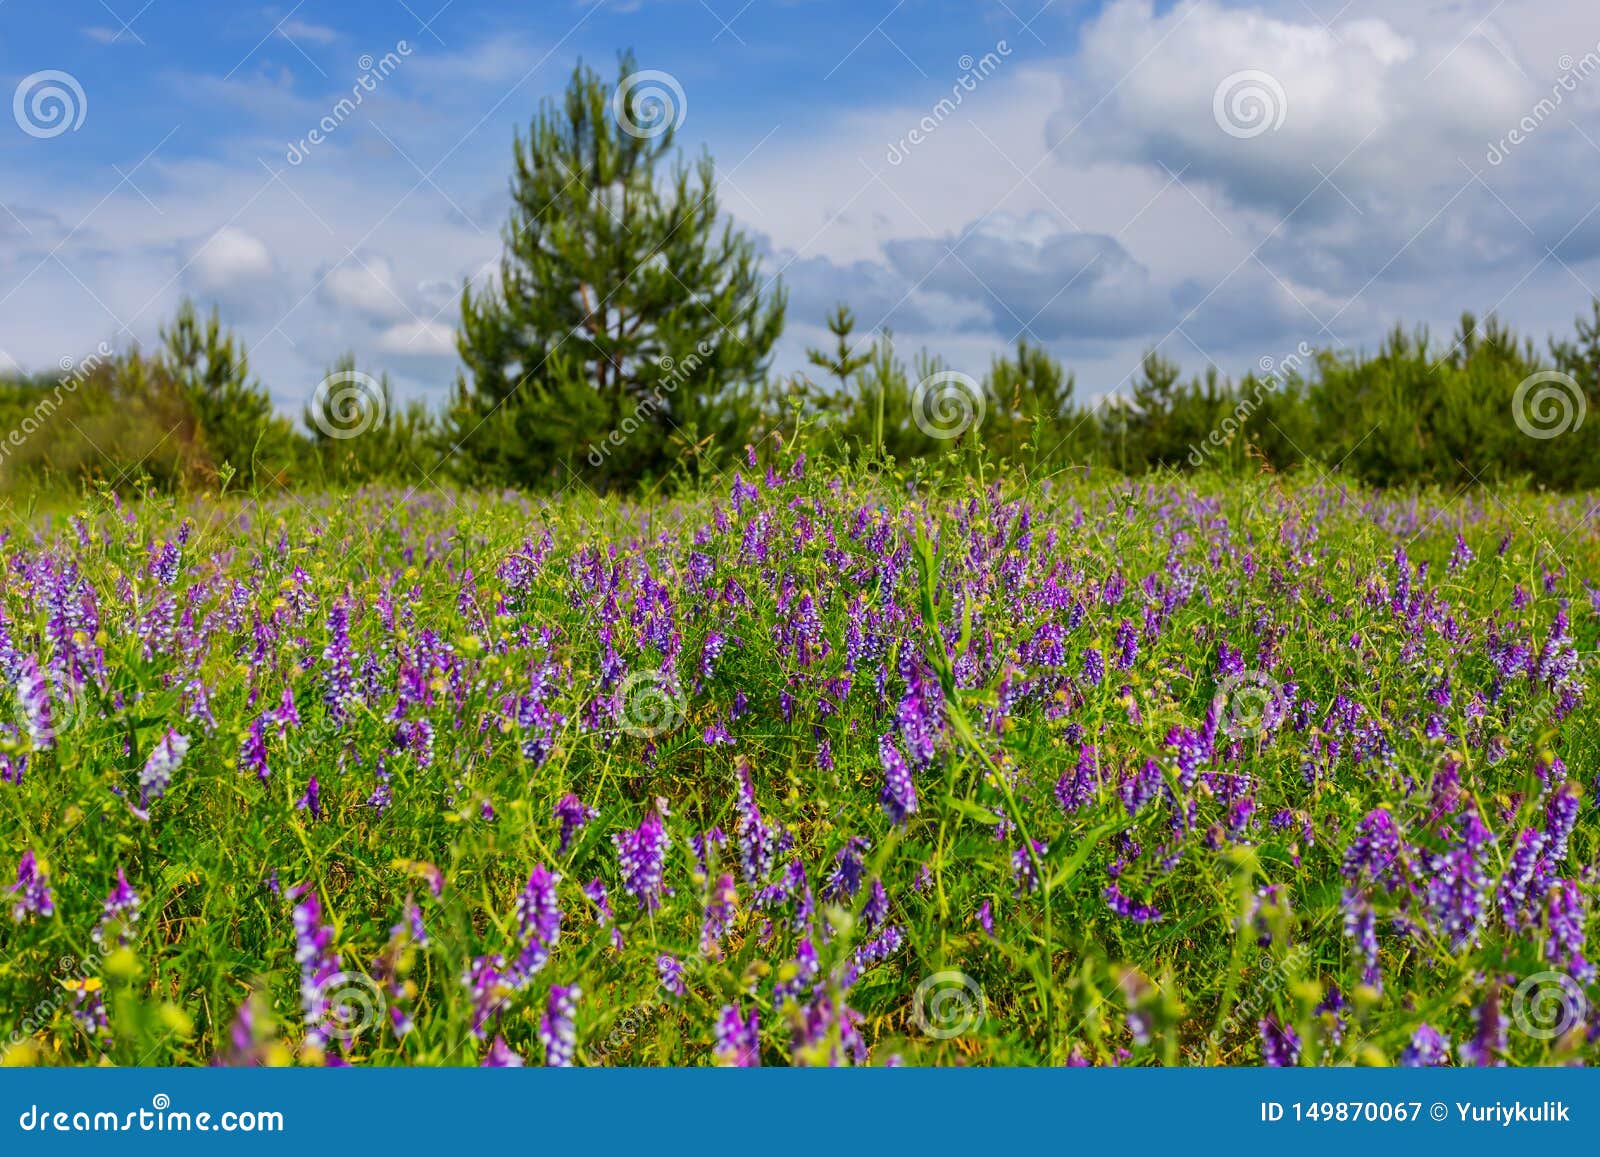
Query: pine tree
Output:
(238,424)
(1028,396)
(844,361)
(627,313)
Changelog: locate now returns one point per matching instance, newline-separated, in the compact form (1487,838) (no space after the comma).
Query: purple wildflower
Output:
(1130,909)
(798,975)
(320,968)
(33,696)
(486,982)
(827,1032)
(1561,816)
(340,690)
(1280,1044)
(1428,1049)
(32,889)
(165,758)
(253,751)
(1077,784)
(876,909)
(573,814)
(844,881)
(595,889)
(719,915)
(899,792)
(538,917)
(558,1030)
(738,1038)
(1373,854)
(877,948)
(1024,870)
(1361,926)
(1127,641)
(311,801)
(1138,788)
(500,1055)
(287,715)
(642,856)
(89,1008)
(1523,881)
(1489,1036)
(1566,918)
(119,915)
(757,841)
(670,970)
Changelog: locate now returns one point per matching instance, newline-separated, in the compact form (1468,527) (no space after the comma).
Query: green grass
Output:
(1298,578)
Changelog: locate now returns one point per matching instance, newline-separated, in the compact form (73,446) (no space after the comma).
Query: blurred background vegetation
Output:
(626,344)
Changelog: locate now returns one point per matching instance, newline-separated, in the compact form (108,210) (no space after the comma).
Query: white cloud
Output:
(1375,111)
(493,61)
(305,30)
(235,269)
(419,339)
(364,285)
(1166,210)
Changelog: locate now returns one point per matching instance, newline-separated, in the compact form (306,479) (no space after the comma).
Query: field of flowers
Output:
(816,770)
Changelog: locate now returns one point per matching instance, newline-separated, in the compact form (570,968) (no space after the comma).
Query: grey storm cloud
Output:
(1053,284)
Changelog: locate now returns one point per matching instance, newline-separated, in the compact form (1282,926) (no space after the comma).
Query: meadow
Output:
(821,767)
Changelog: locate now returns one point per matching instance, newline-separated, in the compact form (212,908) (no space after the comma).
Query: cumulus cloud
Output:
(235,270)
(420,338)
(1034,275)
(1273,109)
(364,285)
(1086,193)
(877,295)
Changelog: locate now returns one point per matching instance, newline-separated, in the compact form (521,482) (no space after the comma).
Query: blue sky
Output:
(1222,181)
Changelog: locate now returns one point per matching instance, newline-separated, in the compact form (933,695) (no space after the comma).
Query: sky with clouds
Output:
(1222,181)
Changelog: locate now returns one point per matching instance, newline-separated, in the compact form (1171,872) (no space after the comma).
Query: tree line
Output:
(627,340)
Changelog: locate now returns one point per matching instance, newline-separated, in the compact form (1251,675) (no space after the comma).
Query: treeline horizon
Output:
(189,415)
(627,343)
